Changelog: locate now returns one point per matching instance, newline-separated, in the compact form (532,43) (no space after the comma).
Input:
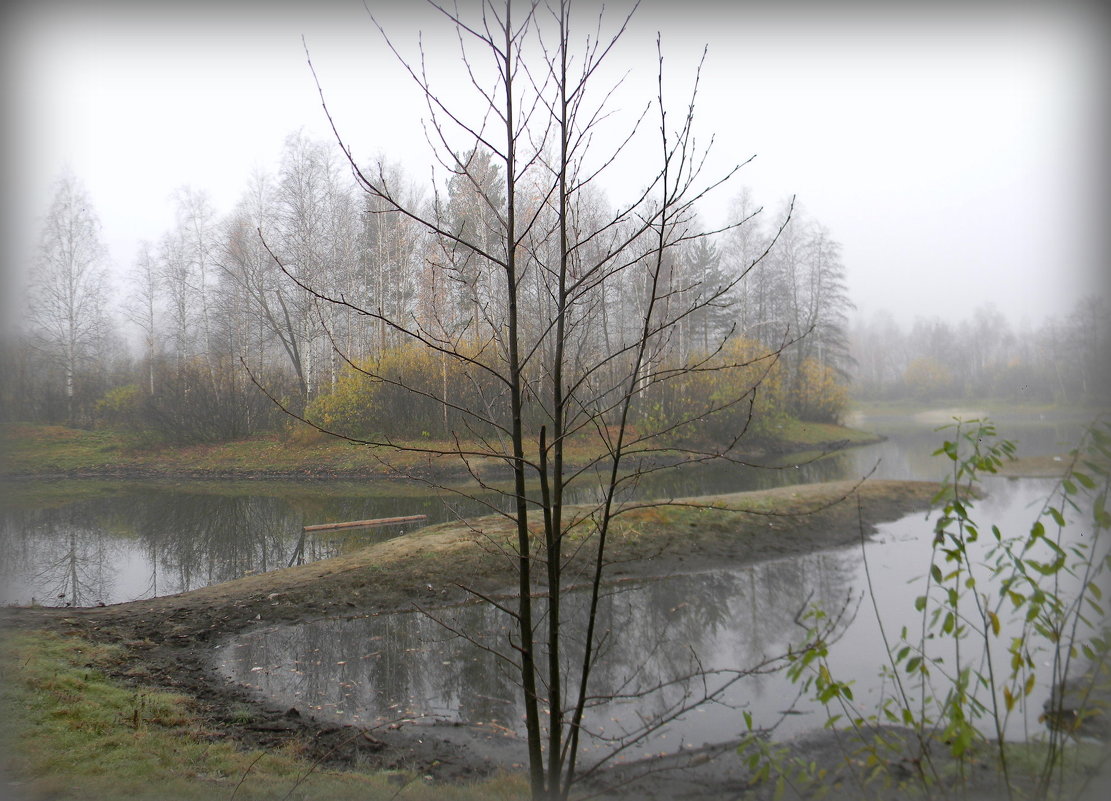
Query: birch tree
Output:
(144,307)
(195,238)
(280,314)
(67,291)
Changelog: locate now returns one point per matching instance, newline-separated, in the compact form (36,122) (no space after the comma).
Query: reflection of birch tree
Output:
(71,561)
(206,539)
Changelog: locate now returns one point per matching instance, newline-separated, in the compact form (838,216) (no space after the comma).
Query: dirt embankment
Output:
(168,641)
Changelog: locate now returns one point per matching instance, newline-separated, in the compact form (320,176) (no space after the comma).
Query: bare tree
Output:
(316,235)
(278,313)
(179,286)
(389,265)
(530,258)
(195,237)
(144,306)
(67,289)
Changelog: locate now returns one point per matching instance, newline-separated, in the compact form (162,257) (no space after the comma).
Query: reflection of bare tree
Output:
(171,541)
(79,573)
(202,539)
(667,645)
(168,540)
(69,560)
(165,541)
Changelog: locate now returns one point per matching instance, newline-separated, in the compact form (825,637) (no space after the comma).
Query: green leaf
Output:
(920,603)
(1048,568)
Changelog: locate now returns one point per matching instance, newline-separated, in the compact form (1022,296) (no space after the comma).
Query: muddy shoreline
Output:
(169,642)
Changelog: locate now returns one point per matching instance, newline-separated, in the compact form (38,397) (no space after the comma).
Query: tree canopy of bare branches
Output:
(559,313)
(67,293)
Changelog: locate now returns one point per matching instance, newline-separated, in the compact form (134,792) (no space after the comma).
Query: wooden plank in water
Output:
(381,521)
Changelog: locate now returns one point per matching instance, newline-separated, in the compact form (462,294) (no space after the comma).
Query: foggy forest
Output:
(524,472)
(207,312)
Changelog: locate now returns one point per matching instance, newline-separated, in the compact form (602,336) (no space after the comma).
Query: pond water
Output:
(83,542)
(128,540)
(668,643)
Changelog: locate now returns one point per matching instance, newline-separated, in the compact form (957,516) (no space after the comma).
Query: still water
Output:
(82,543)
(669,644)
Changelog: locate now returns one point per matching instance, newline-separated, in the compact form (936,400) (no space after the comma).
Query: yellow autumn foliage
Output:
(714,399)
(819,395)
(409,391)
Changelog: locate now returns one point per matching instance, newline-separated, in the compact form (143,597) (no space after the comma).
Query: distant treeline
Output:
(220,309)
(1062,360)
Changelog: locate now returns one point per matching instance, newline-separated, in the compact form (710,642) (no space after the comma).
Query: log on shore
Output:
(380,521)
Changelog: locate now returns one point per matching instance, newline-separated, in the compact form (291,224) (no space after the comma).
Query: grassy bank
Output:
(40,450)
(85,690)
(70,732)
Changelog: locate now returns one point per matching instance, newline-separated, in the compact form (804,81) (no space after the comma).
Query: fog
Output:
(955,154)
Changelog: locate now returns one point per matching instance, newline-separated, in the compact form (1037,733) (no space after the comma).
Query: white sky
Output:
(956,154)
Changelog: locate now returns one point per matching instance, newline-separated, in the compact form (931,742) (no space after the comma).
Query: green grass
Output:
(43,493)
(57,448)
(52,450)
(798,432)
(71,733)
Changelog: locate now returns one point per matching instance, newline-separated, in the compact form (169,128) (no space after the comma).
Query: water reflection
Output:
(421,666)
(154,540)
(137,541)
(67,557)
(899,559)
(656,638)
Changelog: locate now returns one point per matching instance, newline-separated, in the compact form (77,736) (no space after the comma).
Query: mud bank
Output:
(169,641)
